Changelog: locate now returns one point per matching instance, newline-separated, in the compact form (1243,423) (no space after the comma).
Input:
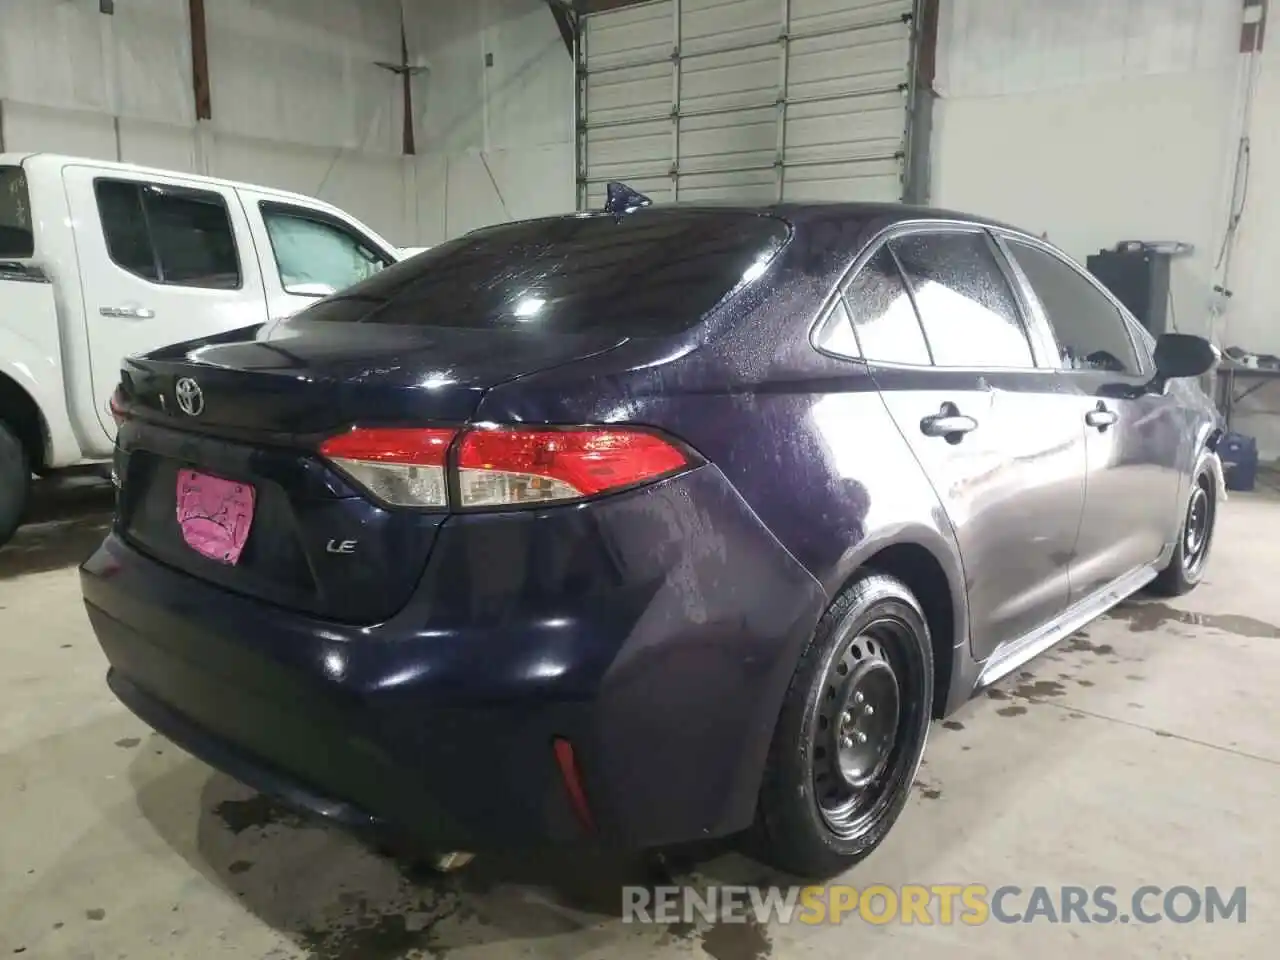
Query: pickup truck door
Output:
(162,260)
(308,252)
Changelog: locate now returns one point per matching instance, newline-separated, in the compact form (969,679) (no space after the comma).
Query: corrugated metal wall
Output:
(754,100)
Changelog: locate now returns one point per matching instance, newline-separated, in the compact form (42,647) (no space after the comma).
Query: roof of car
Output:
(821,209)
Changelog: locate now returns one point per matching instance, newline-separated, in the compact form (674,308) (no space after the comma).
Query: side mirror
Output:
(1180,355)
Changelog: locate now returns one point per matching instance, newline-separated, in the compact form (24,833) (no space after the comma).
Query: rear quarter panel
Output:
(802,439)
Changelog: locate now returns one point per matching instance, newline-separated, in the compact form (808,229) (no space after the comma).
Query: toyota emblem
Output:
(190,397)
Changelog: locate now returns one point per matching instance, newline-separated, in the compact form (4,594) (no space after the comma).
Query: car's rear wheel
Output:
(1195,538)
(851,732)
(15,482)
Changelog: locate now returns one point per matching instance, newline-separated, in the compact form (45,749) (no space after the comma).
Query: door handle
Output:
(128,313)
(1101,418)
(948,423)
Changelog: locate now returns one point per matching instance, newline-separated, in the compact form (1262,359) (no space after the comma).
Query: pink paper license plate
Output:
(214,515)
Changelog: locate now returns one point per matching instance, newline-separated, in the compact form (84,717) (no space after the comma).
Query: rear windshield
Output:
(16,238)
(650,273)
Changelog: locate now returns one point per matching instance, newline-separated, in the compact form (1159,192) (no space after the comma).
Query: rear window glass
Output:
(652,272)
(17,239)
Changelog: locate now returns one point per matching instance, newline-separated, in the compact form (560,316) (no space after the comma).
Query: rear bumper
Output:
(230,759)
(656,631)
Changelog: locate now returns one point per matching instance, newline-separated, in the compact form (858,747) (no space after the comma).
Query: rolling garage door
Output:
(753,100)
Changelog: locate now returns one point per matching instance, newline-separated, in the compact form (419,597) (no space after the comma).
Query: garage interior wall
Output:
(1098,121)
(300,103)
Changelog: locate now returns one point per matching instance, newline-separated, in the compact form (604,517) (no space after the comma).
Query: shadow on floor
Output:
(65,522)
(339,898)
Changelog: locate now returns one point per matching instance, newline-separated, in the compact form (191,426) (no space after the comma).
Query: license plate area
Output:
(214,515)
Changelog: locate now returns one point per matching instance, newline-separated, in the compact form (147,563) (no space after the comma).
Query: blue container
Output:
(1239,460)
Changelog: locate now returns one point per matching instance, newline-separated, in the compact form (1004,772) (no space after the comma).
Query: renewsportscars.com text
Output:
(934,904)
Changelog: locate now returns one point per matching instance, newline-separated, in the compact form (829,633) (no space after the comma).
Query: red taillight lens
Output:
(515,466)
(501,467)
(405,468)
(119,408)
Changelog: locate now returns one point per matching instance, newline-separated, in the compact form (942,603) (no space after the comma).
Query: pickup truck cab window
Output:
(168,235)
(317,255)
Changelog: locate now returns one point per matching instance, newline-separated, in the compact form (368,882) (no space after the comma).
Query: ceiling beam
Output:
(566,21)
(200,61)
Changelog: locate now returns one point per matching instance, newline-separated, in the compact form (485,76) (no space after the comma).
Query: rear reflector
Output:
(119,410)
(501,466)
(513,466)
(571,776)
(402,467)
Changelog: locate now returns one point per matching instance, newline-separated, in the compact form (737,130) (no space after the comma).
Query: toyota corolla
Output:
(643,526)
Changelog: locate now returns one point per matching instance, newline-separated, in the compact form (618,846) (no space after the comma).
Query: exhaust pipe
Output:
(448,862)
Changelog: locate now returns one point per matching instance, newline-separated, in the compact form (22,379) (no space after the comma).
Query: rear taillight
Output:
(405,468)
(510,467)
(497,467)
(119,407)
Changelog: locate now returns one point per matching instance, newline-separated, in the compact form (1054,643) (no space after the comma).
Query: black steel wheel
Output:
(1195,539)
(851,733)
(1197,530)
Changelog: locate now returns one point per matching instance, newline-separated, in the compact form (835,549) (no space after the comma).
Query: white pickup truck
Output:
(102,260)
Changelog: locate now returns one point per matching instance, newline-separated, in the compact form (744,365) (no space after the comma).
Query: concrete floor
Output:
(1142,751)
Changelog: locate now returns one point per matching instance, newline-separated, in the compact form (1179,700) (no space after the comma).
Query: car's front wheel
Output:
(851,732)
(1195,537)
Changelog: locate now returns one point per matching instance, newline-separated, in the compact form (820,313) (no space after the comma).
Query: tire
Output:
(1195,539)
(15,483)
(829,797)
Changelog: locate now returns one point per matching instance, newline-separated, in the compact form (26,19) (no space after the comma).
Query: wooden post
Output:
(200,61)
(406,74)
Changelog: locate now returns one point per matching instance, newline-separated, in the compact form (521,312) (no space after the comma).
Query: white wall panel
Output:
(1000,47)
(529,87)
(800,99)
(306,72)
(157,145)
(1098,121)
(495,114)
(149,59)
(1134,160)
(59,130)
(299,101)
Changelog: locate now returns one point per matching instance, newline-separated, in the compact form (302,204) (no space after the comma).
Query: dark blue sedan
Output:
(642,526)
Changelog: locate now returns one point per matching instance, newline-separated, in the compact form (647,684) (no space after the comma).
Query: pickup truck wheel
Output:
(15,482)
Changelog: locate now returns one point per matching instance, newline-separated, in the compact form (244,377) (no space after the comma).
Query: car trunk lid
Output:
(252,407)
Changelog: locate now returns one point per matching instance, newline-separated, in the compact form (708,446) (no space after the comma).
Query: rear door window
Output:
(650,273)
(17,235)
(884,320)
(166,235)
(835,333)
(966,306)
